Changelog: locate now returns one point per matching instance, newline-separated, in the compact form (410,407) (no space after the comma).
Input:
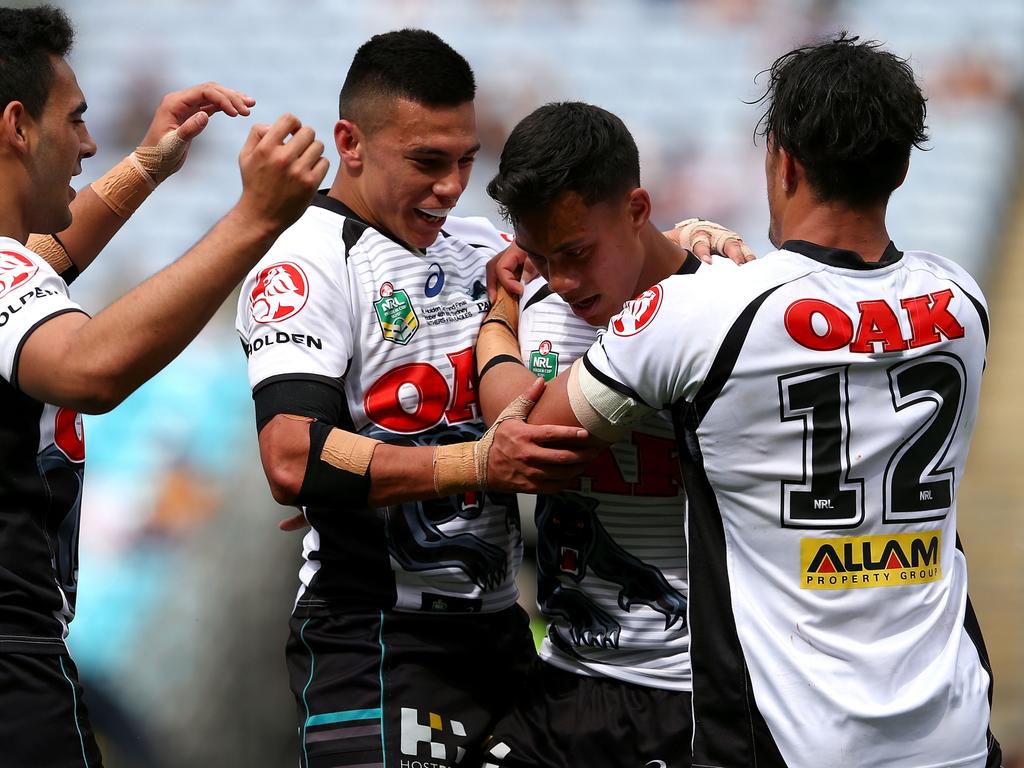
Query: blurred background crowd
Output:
(186,583)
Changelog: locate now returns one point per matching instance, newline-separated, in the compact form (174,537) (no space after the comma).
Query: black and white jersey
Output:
(824,413)
(42,458)
(611,552)
(392,330)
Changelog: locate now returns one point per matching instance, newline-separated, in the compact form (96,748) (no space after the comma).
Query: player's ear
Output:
(639,208)
(13,126)
(789,170)
(903,176)
(348,140)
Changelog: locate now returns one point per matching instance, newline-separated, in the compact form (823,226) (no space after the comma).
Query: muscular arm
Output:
(92,364)
(94,222)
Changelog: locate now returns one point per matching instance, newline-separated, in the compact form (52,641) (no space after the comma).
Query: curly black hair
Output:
(413,64)
(849,112)
(566,146)
(28,38)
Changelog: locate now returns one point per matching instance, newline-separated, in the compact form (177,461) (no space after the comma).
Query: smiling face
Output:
(61,142)
(414,167)
(591,256)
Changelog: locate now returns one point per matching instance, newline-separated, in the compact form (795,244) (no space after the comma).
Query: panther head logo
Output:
(281,291)
(638,313)
(15,270)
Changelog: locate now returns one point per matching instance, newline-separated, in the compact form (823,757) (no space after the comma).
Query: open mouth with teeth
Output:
(433,215)
(584,305)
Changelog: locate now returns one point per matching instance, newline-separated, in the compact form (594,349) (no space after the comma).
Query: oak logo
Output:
(15,270)
(854,562)
(281,291)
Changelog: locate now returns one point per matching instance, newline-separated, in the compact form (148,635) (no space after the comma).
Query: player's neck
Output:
(348,194)
(13,222)
(662,257)
(830,225)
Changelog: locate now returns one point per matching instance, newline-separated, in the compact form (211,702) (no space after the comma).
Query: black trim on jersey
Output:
(973,629)
(29,332)
(837,257)
(612,384)
(312,397)
(728,352)
(70,274)
(982,314)
(539,296)
(351,235)
(690,264)
(338,384)
(729,730)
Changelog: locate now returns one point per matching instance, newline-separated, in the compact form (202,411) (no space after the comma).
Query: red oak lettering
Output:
(657,462)
(799,316)
(929,315)
(877,323)
(415,397)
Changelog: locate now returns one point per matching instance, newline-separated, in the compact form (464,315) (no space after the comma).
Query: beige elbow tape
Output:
(462,467)
(51,250)
(125,186)
(348,451)
(595,406)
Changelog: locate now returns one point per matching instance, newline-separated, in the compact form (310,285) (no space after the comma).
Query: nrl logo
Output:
(281,291)
(396,315)
(544,362)
(15,270)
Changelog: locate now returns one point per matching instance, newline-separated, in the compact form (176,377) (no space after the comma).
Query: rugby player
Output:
(614,675)
(56,361)
(823,415)
(359,326)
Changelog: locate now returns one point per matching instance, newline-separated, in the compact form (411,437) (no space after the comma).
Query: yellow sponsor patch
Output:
(853,562)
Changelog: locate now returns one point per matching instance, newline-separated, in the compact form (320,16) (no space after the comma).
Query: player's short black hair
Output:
(28,37)
(850,112)
(566,146)
(412,64)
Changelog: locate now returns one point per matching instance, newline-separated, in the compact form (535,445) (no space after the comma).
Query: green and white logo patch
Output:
(544,361)
(397,317)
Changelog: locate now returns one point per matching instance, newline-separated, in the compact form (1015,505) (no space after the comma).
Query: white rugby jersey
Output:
(393,330)
(42,459)
(611,552)
(824,413)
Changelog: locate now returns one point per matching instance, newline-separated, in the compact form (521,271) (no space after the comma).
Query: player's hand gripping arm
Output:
(101,209)
(308,462)
(91,364)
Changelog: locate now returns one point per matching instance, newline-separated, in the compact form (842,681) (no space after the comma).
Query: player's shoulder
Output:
(536,293)
(943,268)
(476,231)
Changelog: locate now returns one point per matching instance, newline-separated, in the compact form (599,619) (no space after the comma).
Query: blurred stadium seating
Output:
(185,582)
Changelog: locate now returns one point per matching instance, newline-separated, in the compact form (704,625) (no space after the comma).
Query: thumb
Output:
(534,392)
(193,126)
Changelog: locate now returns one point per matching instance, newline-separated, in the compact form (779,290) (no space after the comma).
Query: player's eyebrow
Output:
(527,251)
(428,151)
(569,245)
(80,109)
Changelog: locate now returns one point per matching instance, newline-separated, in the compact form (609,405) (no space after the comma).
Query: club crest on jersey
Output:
(396,315)
(638,313)
(854,562)
(281,292)
(15,270)
(544,362)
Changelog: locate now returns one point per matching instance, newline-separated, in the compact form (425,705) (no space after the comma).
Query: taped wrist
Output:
(125,186)
(462,467)
(53,252)
(337,469)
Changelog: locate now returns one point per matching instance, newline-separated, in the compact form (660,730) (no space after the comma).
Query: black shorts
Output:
(565,720)
(404,690)
(43,721)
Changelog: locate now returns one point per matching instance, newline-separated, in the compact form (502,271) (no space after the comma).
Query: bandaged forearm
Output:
(125,186)
(601,410)
(497,342)
(53,253)
(462,467)
(337,469)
